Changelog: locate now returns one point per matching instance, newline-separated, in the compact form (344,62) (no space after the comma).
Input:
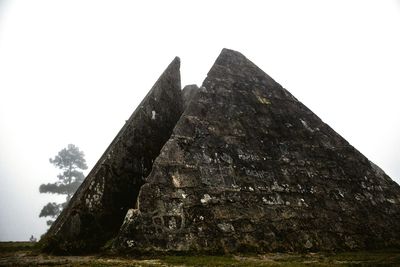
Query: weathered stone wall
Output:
(96,211)
(249,167)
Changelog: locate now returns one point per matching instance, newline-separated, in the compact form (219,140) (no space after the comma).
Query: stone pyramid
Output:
(247,168)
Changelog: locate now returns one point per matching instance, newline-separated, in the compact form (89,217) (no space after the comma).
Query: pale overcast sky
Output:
(74,71)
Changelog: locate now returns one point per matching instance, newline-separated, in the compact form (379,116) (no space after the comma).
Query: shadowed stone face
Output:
(98,208)
(249,167)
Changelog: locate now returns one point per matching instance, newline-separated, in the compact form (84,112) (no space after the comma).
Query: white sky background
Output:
(74,71)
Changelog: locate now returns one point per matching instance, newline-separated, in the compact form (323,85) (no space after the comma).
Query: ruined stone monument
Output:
(238,164)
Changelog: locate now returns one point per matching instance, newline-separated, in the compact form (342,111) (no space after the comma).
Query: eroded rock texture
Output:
(97,210)
(249,167)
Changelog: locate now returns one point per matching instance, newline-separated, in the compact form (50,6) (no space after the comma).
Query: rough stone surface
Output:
(250,168)
(98,208)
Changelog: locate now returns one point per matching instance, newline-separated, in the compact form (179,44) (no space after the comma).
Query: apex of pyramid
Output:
(172,71)
(169,82)
(230,57)
(232,63)
(174,65)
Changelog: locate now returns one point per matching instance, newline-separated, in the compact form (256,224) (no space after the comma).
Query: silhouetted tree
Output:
(32,239)
(71,161)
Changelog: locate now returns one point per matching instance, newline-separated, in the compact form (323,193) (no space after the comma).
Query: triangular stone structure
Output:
(247,168)
(250,168)
(96,211)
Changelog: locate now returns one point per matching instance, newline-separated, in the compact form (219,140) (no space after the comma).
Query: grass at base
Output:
(360,258)
(16,246)
(26,254)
